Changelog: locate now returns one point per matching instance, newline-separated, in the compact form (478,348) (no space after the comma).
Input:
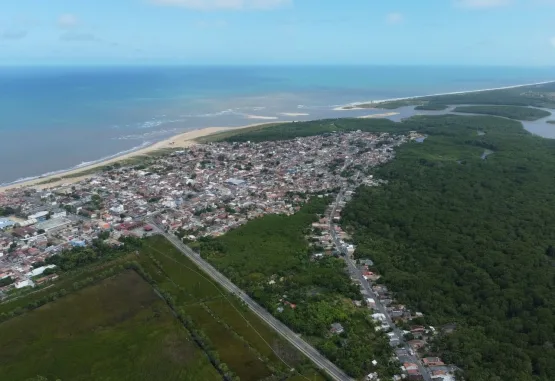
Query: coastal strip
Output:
(355,105)
(71,176)
(376,116)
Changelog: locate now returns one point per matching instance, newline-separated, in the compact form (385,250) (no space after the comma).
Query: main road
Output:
(354,270)
(309,351)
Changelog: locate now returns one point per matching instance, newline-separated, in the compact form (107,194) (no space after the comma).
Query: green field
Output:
(246,344)
(114,327)
(511,112)
(118,329)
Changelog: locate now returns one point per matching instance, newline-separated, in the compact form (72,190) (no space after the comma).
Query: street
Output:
(354,270)
(316,357)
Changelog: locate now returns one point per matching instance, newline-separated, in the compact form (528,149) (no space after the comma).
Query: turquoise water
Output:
(55,118)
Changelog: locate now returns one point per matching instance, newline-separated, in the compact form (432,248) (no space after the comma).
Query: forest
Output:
(511,112)
(469,241)
(271,260)
(432,107)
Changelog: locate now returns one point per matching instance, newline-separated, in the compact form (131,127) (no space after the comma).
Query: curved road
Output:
(316,357)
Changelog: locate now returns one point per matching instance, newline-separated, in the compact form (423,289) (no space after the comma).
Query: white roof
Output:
(39,270)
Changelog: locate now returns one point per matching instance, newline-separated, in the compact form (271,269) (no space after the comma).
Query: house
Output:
(433,361)
(337,328)
(6,223)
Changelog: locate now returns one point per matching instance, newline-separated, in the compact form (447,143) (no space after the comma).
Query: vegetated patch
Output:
(118,329)
(470,244)
(270,258)
(251,349)
(432,107)
(511,112)
(551,121)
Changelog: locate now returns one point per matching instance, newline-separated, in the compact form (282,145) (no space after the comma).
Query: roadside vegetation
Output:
(511,112)
(271,260)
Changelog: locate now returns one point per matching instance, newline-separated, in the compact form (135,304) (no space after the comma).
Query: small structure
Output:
(6,223)
(25,283)
(337,328)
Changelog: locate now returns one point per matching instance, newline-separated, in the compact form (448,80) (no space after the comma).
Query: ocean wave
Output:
(78,166)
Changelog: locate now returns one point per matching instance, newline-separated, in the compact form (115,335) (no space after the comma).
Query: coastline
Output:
(188,138)
(354,105)
(182,140)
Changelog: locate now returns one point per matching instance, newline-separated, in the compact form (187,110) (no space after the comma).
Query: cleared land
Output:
(118,329)
(511,112)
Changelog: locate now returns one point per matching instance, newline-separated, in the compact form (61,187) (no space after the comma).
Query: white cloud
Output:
(482,4)
(394,18)
(67,21)
(208,5)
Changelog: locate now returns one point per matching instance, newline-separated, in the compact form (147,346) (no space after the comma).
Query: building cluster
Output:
(204,190)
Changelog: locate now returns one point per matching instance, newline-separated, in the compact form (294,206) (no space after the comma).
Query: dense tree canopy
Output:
(271,260)
(469,241)
(512,112)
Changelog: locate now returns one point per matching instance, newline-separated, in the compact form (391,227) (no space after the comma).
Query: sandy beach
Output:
(376,116)
(182,140)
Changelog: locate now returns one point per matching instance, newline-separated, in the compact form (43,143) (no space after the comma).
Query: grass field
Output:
(247,345)
(118,329)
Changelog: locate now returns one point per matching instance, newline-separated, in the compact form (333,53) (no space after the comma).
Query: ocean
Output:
(57,118)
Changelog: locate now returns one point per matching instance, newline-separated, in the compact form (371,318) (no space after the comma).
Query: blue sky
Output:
(402,32)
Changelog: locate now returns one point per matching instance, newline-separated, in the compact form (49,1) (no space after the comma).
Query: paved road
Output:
(354,270)
(315,356)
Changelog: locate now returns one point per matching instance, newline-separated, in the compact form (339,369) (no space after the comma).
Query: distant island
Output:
(538,95)
(511,112)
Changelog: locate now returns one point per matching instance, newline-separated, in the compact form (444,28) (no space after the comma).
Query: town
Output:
(207,190)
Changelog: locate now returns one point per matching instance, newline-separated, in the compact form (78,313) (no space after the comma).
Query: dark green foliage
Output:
(83,256)
(551,121)
(286,131)
(270,257)
(468,241)
(6,281)
(432,107)
(511,112)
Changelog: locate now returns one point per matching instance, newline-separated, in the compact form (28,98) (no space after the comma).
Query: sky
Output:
(238,32)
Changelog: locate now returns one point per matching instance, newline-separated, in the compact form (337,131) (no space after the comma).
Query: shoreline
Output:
(182,140)
(354,105)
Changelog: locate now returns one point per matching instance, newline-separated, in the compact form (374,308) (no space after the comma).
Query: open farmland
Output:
(250,349)
(118,329)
